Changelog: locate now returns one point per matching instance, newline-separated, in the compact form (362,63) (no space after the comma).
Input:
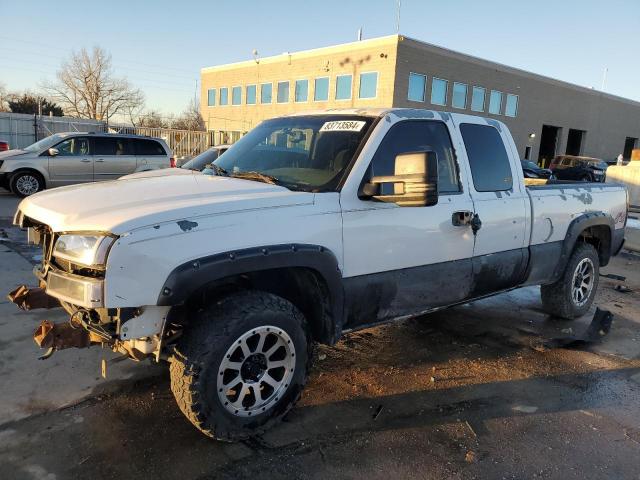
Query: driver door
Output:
(73,163)
(406,260)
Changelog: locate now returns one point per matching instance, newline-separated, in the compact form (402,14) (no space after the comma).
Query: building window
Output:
(368,85)
(343,87)
(495,102)
(266,90)
(224,96)
(417,87)
(477,99)
(283,92)
(511,105)
(439,91)
(459,98)
(236,95)
(321,89)
(250,95)
(302,90)
(211,97)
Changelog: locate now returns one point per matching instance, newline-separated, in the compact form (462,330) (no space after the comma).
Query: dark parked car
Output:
(207,157)
(586,169)
(531,170)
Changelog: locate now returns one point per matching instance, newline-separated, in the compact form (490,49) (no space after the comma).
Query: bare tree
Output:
(153,119)
(4,98)
(86,87)
(190,119)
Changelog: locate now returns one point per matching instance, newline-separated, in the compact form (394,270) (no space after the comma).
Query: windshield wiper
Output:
(257,176)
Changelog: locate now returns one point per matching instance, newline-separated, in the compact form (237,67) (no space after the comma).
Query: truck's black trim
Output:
(543,260)
(189,277)
(498,271)
(382,296)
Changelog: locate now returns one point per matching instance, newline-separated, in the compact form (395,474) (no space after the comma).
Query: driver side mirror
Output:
(415,181)
(53,152)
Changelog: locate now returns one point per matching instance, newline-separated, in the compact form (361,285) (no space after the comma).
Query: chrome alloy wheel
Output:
(256,371)
(27,185)
(582,282)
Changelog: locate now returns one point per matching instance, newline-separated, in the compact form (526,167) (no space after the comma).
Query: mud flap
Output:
(599,327)
(32,298)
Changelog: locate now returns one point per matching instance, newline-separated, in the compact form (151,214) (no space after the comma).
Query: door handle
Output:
(461,218)
(85,160)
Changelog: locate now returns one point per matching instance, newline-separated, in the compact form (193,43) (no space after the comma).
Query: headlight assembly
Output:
(86,250)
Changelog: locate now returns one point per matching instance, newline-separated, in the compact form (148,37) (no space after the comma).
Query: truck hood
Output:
(120,206)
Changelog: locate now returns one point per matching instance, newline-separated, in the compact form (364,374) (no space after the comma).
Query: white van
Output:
(68,158)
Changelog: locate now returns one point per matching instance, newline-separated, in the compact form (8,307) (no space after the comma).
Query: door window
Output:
(416,136)
(490,167)
(73,146)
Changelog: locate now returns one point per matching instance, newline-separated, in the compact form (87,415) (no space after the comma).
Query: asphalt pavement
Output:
(471,392)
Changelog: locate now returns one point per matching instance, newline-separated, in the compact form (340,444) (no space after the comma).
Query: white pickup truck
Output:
(313,225)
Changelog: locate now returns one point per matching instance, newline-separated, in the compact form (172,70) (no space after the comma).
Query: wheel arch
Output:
(596,228)
(306,275)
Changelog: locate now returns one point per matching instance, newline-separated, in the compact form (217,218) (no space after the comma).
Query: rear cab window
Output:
(488,158)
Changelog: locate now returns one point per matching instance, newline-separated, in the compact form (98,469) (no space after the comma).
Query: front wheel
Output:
(241,365)
(572,295)
(26,183)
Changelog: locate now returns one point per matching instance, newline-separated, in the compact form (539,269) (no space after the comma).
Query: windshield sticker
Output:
(343,126)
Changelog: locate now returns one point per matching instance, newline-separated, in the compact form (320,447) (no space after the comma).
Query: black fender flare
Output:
(576,227)
(191,276)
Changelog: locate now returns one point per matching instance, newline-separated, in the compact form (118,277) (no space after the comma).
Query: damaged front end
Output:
(135,332)
(78,288)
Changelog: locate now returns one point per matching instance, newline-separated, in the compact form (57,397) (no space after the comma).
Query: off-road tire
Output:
(15,178)
(557,297)
(204,344)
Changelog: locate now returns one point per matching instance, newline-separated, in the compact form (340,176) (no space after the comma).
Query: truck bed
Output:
(555,204)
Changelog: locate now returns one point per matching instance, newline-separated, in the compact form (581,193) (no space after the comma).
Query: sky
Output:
(161,45)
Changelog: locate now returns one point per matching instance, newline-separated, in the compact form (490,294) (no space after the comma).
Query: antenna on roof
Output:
(360,34)
(256,58)
(604,78)
(398,17)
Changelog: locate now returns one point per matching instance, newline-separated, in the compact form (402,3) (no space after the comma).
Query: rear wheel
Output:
(572,295)
(241,365)
(26,183)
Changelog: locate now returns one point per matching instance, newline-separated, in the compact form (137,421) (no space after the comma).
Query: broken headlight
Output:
(85,250)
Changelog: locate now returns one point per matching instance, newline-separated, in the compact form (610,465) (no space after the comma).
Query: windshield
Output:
(200,161)
(44,144)
(307,153)
(528,164)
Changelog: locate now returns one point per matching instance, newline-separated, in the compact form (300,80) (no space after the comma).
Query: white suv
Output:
(68,158)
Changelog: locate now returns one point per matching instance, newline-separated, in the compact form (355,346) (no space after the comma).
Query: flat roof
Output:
(371,42)
(513,70)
